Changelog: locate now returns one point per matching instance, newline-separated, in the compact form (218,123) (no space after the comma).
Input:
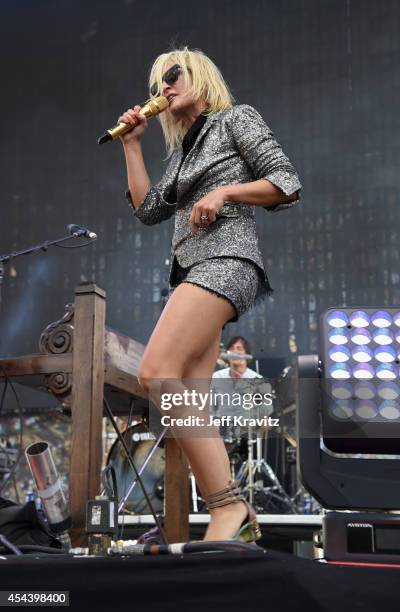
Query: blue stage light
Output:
(381,318)
(360,336)
(364,390)
(363,371)
(339,336)
(387,371)
(340,371)
(360,356)
(359,318)
(385,354)
(339,354)
(337,318)
(341,390)
(383,336)
(342,410)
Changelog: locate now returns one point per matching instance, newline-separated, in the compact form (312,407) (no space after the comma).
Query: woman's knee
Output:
(151,374)
(147,372)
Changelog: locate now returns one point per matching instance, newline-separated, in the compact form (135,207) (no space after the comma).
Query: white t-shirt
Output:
(225,373)
(222,382)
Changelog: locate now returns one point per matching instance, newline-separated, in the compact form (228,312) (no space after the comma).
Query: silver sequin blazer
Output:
(233,146)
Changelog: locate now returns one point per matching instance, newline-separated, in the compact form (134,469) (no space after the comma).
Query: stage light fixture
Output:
(348,430)
(367,362)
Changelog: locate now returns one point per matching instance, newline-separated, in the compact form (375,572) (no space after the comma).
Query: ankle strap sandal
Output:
(229,495)
(249,531)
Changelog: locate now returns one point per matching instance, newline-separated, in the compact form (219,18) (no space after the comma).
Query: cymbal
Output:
(227,356)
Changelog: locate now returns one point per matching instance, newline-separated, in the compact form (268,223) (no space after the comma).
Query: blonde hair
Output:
(207,83)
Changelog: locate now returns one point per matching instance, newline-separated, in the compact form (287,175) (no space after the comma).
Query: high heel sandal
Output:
(249,530)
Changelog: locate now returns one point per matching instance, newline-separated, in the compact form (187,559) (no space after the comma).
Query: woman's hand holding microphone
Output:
(132,116)
(138,178)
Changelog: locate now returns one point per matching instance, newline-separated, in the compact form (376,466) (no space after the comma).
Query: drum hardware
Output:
(233,467)
(289,409)
(193,489)
(289,439)
(143,467)
(151,467)
(135,470)
(291,455)
(287,424)
(252,474)
(221,362)
(147,452)
(225,356)
(291,462)
(150,459)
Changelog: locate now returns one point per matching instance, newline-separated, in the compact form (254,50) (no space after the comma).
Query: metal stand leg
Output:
(140,472)
(194,492)
(253,471)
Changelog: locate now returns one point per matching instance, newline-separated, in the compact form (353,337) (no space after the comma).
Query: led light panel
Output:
(361,358)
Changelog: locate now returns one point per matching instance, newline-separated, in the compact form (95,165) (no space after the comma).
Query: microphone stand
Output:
(43,246)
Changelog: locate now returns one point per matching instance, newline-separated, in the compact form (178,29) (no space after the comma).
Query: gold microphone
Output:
(150,109)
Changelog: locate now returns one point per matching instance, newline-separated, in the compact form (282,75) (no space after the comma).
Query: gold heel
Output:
(249,531)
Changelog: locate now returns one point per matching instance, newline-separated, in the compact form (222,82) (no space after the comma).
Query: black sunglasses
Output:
(170,77)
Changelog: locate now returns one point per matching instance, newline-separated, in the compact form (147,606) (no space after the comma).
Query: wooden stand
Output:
(80,358)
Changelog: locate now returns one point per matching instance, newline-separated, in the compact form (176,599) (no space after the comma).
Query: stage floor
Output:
(206,582)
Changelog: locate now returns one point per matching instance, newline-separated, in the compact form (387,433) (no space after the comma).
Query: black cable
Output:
(217,546)
(79,246)
(3,395)
(110,491)
(43,247)
(276,462)
(21,433)
(133,466)
(34,548)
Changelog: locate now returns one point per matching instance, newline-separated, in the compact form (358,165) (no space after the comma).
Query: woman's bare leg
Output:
(226,519)
(184,344)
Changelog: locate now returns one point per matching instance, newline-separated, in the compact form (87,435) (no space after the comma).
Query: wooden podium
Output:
(82,360)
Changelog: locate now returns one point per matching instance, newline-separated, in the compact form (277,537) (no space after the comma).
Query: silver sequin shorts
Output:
(234,278)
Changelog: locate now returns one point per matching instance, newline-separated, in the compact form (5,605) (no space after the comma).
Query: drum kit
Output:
(245,432)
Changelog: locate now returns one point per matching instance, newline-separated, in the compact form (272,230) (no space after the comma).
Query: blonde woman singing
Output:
(223,161)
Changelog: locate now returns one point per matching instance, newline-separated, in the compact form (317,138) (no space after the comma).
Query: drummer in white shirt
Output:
(234,379)
(237,367)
